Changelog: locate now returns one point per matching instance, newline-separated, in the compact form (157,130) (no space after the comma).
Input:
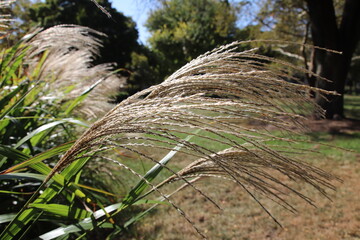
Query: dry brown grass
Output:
(242,219)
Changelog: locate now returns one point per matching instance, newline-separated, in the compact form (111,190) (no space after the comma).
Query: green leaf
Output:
(62,210)
(33,176)
(47,127)
(85,224)
(6,99)
(27,161)
(23,217)
(26,215)
(9,109)
(71,229)
(8,152)
(16,64)
(84,94)
(88,223)
(20,193)
(7,217)
(150,175)
(95,189)
(7,67)
(147,201)
(65,176)
(12,153)
(36,72)
(139,216)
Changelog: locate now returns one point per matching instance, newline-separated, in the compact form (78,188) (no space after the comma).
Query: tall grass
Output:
(214,99)
(42,99)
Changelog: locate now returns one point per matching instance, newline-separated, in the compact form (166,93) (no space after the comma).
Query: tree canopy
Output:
(330,24)
(183,29)
(121,31)
(16,29)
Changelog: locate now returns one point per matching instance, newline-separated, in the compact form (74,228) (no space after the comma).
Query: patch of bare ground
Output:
(334,126)
(242,218)
(326,125)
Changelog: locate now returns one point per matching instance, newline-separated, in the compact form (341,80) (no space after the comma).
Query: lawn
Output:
(352,106)
(242,218)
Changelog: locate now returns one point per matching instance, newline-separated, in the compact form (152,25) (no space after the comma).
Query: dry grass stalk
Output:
(71,50)
(5,18)
(220,92)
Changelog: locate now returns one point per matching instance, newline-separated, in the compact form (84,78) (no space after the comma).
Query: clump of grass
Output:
(40,90)
(217,93)
(211,99)
(69,68)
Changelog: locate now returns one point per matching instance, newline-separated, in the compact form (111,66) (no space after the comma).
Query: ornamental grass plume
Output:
(69,70)
(216,98)
(5,19)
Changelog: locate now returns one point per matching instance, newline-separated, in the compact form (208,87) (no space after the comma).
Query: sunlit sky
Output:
(138,11)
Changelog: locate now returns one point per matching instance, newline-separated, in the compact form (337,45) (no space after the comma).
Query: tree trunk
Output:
(327,34)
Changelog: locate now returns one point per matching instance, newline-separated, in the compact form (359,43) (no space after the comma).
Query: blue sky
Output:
(138,11)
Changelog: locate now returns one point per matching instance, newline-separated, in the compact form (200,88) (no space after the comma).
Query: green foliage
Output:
(120,45)
(21,25)
(284,19)
(121,33)
(29,122)
(183,29)
(32,128)
(145,70)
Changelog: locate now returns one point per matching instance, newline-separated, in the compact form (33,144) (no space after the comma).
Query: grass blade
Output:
(151,174)
(7,98)
(21,176)
(62,210)
(25,215)
(27,161)
(17,102)
(47,127)
(7,217)
(85,224)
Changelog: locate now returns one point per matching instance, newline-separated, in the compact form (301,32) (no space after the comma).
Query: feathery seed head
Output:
(221,93)
(70,52)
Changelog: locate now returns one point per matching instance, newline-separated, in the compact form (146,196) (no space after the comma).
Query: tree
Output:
(183,29)
(353,80)
(20,24)
(286,19)
(343,36)
(330,24)
(145,71)
(121,31)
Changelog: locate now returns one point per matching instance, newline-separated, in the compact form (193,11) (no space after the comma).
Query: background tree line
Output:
(183,29)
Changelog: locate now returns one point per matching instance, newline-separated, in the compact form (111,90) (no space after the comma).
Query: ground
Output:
(242,218)
(334,127)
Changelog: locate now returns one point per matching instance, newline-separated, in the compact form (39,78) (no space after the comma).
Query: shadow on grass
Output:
(352,107)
